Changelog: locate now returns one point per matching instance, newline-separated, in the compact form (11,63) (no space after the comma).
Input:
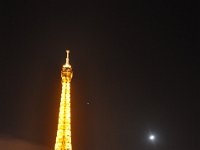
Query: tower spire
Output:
(67,59)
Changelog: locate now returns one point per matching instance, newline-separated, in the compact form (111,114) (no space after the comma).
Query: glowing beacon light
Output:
(63,138)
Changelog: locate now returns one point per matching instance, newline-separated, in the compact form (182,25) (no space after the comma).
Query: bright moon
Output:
(152,137)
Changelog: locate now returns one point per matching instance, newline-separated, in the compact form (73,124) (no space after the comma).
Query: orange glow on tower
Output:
(63,138)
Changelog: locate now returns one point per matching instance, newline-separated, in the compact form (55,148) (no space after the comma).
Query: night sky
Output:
(135,73)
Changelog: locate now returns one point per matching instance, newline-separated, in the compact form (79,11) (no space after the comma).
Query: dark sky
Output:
(136,64)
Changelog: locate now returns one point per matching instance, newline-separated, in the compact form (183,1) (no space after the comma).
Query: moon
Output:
(152,137)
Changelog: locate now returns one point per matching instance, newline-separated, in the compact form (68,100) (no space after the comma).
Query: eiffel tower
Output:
(63,138)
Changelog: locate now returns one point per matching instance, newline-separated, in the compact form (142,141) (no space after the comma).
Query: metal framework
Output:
(63,138)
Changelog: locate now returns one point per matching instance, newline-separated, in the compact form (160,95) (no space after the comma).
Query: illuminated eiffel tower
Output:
(63,138)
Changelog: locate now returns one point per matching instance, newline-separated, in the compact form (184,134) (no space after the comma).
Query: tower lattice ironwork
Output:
(63,138)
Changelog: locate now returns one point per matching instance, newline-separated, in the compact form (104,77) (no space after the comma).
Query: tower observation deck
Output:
(63,138)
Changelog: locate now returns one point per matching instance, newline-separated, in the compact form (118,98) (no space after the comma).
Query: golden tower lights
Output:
(63,138)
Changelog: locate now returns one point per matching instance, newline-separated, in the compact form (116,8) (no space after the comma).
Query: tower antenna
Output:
(67,59)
